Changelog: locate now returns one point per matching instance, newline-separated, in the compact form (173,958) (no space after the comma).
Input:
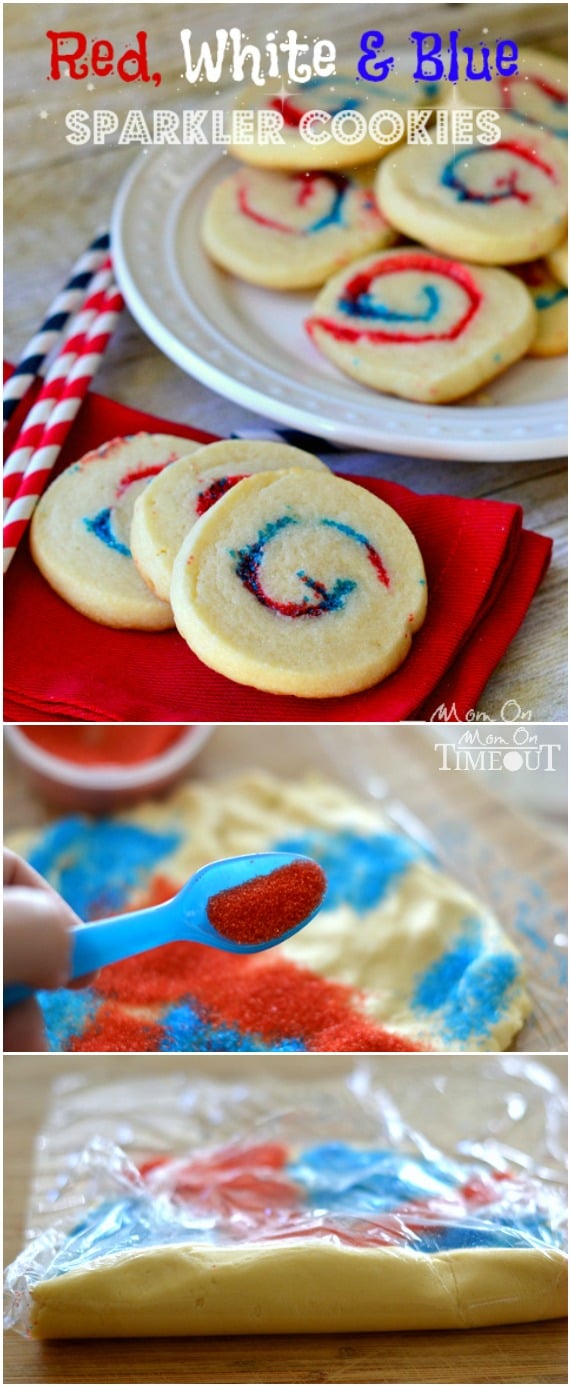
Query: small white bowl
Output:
(102,787)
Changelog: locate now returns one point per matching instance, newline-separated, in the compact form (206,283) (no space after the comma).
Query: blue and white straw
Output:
(66,303)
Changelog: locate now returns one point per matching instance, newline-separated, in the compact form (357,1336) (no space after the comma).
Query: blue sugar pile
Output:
(186,1031)
(67,1014)
(360,870)
(468,985)
(94,864)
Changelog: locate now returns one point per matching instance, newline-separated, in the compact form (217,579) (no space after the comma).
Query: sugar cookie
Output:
(300,583)
(291,231)
(418,325)
(550,299)
(285,148)
(535,95)
(80,531)
(172,503)
(494,204)
(558,263)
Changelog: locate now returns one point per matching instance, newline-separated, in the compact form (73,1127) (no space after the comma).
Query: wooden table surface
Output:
(518,1353)
(56,195)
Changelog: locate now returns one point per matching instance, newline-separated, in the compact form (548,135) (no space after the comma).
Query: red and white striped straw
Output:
(57,427)
(35,422)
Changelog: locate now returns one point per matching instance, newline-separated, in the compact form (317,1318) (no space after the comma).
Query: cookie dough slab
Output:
(411,953)
(308,1288)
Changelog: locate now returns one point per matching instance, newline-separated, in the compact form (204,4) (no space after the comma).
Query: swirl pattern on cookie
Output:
(550,299)
(301,583)
(80,533)
(535,95)
(291,231)
(333,96)
(492,204)
(415,324)
(167,509)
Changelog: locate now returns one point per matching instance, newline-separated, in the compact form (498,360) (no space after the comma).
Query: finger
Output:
(37,940)
(23,1027)
(17,872)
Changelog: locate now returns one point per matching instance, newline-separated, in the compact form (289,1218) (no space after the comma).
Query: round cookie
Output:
(80,531)
(536,95)
(301,583)
(550,299)
(494,204)
(341,92)
(173,502)
(558,263)
(291,231)
(415,324)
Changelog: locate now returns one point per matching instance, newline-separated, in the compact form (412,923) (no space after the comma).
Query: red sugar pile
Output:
(113,1031)
(262,995)
(268,906)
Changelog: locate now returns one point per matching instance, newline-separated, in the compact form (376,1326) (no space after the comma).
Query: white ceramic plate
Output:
(250,345)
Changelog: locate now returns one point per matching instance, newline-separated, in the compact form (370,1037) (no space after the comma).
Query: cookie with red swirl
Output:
(550,299)
(291,231)
(416,324)
(535,95)
(299,582)
(80,531)
(166,510)
(494,204)
(326,122)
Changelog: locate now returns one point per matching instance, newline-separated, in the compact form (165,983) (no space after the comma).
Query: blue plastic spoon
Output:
(184,917)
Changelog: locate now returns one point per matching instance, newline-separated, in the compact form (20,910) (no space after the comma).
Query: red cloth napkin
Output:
(482,570)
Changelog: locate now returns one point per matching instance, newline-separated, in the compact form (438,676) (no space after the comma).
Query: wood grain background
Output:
(57,195)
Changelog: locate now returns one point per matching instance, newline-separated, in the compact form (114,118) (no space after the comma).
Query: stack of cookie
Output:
(431,321)
(276,573)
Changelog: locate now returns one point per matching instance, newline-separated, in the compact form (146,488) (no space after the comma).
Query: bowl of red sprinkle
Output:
(98,767)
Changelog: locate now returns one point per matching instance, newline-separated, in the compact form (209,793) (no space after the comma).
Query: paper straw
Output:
(35,422)
(40,467)
(67,302)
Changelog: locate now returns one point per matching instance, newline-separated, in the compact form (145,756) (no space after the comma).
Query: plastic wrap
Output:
(478,1001)
(422,1160)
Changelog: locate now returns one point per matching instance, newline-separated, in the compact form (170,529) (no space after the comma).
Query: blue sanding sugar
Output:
(95,864)
(361,870)
(66,1014)
(187,1031)
(468,985)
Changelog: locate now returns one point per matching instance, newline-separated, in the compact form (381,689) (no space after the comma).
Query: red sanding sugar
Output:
(268,906)
(112,1030)
(264,995)
(355,1035)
